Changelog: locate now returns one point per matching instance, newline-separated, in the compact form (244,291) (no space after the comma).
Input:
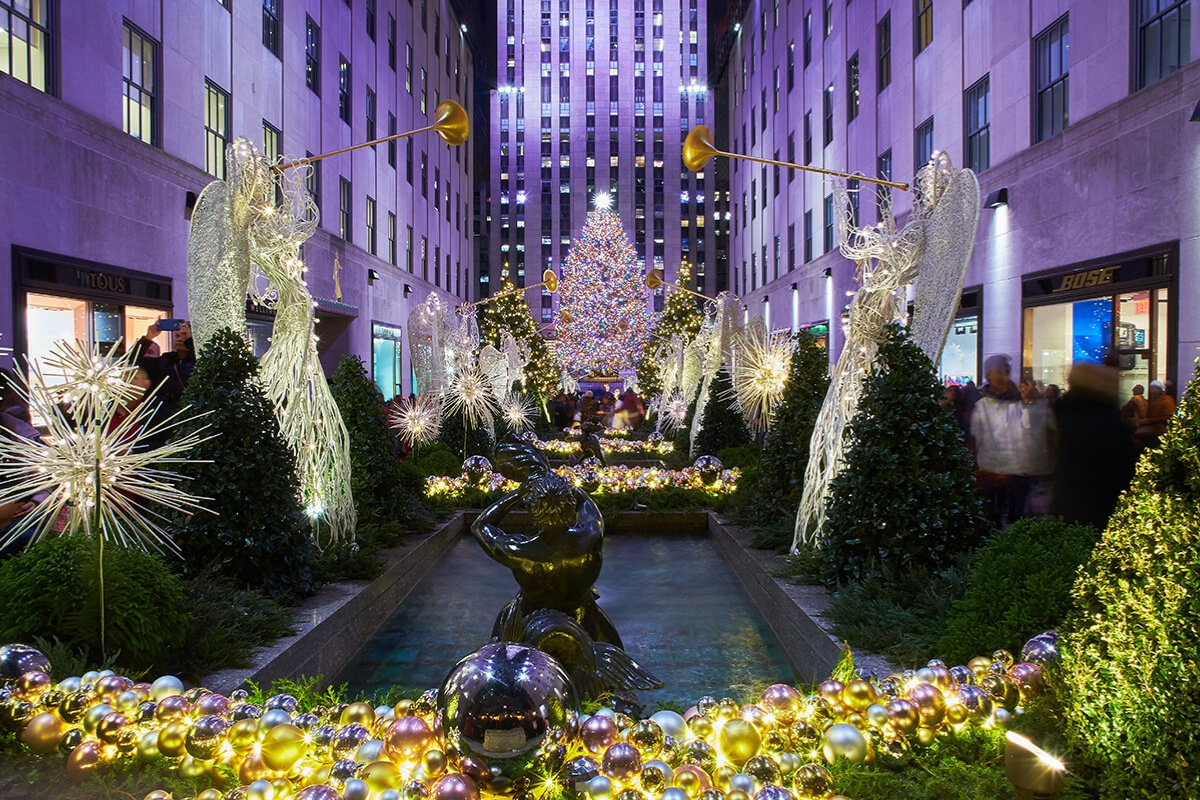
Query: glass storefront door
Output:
(960,356)
(387,358)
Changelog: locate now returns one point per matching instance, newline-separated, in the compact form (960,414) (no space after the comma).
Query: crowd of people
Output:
(614,411)
(1041,450)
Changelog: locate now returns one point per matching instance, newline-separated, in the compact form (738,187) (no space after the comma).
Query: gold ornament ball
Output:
(84,761)
(252,769)
(925,736)
(721,776)
(42,733)
(956,714)
(147,746)
(813,780)
(92,717)
(903,715)
(692,780)
(858,695)
(655,777)
(737,794)
(762,769)
(282,747)
(158,794)
(110,728)
(243,735)
(380,775)
(172,739)
(192,767)
(701,726)
(844,741)
(979,665)
(738,741)
(435,763)
(209,794)
(877,715)
(789,763)
(362,713)
(930,703)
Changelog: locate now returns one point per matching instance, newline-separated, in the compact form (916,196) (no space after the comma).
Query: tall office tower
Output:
(594,100)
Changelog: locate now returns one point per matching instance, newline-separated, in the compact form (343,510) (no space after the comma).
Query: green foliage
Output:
(374,476)
(438,458)
(258,535)
(22,776)
(510,314)
(1019,585)
(51,591)
(303,688)
(1131,647)
(224,626)
(905,498)
(721,425)
(785,453)
(681,316)
(479,442)
(900,617)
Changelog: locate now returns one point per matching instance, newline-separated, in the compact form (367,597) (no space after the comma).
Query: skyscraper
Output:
(594,100)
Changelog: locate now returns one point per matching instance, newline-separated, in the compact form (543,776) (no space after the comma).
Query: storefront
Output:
(961,353)
(1123,306)
(59,298)
(819,331)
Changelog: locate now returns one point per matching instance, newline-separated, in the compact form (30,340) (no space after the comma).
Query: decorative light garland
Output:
(612,480)
(608,444)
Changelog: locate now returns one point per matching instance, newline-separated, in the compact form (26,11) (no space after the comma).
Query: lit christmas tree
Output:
(681,316)
(510,314)
(604,323)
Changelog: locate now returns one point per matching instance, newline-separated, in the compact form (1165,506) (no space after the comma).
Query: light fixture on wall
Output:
(795,287)
(997,198)
(1196,113)
(407,290)
(827,272)
(372,276)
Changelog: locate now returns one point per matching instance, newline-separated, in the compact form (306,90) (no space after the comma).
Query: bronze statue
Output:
(556,568)
(589,442)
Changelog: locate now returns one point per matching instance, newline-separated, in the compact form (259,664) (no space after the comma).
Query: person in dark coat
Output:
(1095,456)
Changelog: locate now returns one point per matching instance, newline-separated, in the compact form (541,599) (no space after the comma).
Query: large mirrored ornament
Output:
(503,702)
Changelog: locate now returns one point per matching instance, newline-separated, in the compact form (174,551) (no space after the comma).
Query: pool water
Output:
(680,611)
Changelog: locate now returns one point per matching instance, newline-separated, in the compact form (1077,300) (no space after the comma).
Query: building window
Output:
(424,92)
(1052,73)
(344,209)
(391,234)
(391,42)
(408,247)
(312,56)
(807,38)
(791,65)
(791,155)
(791,262)
(371,248)
(139,66)
(272,142)
(924,25)
(978,121)
(828,116)
(25,28)
(408,56)
(808,236)
(370,107)
(923,144)
(391,145)
(883,47)
(424,258)
(408,161)
(883,194)
(828,241)
(852,88)
(1164,38)
(216,129)
(271,38)
(827,17)
(371,20)
(808,148)
(313,181)
(424,176)
(344,89)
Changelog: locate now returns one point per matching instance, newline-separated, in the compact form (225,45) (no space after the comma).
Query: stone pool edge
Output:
(334,624)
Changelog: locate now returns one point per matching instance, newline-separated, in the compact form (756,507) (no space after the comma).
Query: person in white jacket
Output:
(1008,425)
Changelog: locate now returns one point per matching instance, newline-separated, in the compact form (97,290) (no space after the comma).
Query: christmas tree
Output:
(509,313)
(603,323)
(681,316)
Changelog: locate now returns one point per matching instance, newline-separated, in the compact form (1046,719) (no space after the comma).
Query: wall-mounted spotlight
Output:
(996,199)
(795,287)
(827,272)
(737,27)
(1196,113)
(372,276)
(407,290)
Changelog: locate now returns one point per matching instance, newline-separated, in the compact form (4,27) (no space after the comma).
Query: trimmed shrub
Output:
(52,591)
(1131,646)
(374,479)
(479,441)
(785,454)
(1019,585)
(436,459)
(905,497)
(722,425)
(258,536)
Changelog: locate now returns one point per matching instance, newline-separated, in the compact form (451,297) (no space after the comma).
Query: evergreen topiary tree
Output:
(479,441)
(906,496)
(722,424)
(785,454)
(374,481)
(258,536)
(1131,647)
(681,316)
(509,313)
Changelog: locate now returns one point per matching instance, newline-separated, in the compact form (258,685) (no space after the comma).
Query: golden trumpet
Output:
(549,280)
(698,150)
(654,279)
(449,122)
(565,317)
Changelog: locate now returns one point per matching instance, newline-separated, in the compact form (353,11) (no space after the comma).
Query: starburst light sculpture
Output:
(760,372)
(470,395)
(418,420)
(517,412)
